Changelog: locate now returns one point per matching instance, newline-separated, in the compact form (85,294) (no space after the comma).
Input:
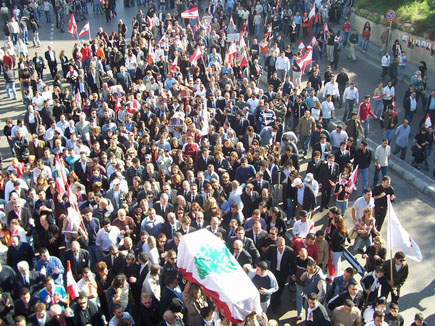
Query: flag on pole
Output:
(325,30)
(205,117)
(312,13)
(190,13)
(205,260)
(150,52)
(71,286)
(352,179)
(61,179)
(232,52)
(174,63)
(72,26)
(163,39)
(399,238)
(197,54)
(313,41)
(305,60)
(243,52)
(85,30)
(269,31)
(150,22)
(427,121)
(301,45)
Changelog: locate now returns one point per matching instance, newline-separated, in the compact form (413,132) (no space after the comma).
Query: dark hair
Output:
(349,303)
(378,314)
(262,265)
(352,281)
(312,296)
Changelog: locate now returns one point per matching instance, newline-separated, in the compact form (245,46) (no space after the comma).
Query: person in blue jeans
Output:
(382,157)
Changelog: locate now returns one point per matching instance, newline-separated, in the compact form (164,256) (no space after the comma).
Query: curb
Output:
(414,177)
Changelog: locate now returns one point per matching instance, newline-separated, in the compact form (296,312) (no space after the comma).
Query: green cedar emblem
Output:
(213,260)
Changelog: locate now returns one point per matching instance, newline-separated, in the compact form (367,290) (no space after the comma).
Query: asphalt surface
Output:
(415,210)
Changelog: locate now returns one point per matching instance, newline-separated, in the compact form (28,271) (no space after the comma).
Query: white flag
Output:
(204,259)
(399,238)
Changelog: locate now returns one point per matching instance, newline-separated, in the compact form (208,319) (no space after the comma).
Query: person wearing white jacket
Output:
(390,92)
(385,63)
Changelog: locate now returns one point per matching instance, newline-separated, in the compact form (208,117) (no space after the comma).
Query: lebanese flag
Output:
(301,46)
(312,13)
(305,60)
(169,28)
(269,31)
(150,53)
(197,54)
(325,30)
(205,260)
(427,121)
(174,63)
(72,26)
(190,14)
(71,286)
(61,179)
(264,45)
(205,117)
(352,179)
(243,52)
(78,99)
(150,22)
(85,30)
(232,52)
(313,41)
(163,39)
(398,238)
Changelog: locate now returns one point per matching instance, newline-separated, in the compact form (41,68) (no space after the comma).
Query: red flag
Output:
(190,14)
(313,41)
(174,63)
(427,121)
(243,52)
(312,12)
(85,30)
(301,46)
(61,179)
(150,22)
(232,52)
(351,183)
(72,26)
(197,54)
(305,60)
(163,39)
(71,286)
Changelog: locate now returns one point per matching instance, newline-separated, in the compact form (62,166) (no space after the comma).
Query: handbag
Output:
(352,233)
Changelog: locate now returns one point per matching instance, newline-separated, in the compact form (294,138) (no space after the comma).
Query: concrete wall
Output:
(414,55)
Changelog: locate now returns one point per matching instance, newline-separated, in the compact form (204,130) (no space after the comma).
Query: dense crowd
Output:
(155,144)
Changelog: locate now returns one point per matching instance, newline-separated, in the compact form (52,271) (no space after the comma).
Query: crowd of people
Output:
(155,145)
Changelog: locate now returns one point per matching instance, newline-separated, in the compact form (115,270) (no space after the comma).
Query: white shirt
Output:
(106,240)
(278,259)
(331,89)
(413,103)
(389,92)
(327,109)
(385,61)
(360,205)
(301,229)
(382,155)
(151,285)
(282,63)
(351,94)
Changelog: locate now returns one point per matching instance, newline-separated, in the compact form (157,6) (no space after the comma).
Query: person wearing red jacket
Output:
(308,243)
(364,113)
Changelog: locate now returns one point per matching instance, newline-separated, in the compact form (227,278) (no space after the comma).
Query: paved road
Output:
(414,210)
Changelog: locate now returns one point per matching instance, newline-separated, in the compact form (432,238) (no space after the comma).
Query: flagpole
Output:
(90,38)
(67,300)
(389,235)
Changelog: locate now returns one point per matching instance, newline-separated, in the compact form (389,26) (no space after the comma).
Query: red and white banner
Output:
(174,63)
(71,286)
(72,26)
(313,41)
(85,30)
(427,121)
(305,60)
(190,14)
(150,22)
(312,13)
(197,54)
(301,46)
(61,179)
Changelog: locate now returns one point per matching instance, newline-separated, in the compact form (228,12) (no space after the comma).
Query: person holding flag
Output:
(396,272)
(52,293)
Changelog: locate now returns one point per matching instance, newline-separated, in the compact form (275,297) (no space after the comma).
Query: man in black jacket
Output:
(86,312)
(304,197)
(284,255)
(316,312)
(351,293)
(363,157)
(79,259)
(328,176)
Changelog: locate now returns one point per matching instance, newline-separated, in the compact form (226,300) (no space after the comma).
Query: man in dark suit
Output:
(199,222)
(250,136)
(281,265)
(115,261)
(259,183)
(171,226)
(308,199)
(86,312)
(79,259)
(50,56)
(342,157)
(38,63)
(168,292)
(225,116)
(22,214)
(250,200)
(26,305)
(82,168)
(19,251)
(203,160)
(247,243)
(116,195)
(162,207)
(194,196)
(240,254)
(82,87)
(328,176)
(27,278)
(123,78)
(351,293)
(185,226)
(323,147)
(240,125)
(94,80)
(215,228)
(256,234)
